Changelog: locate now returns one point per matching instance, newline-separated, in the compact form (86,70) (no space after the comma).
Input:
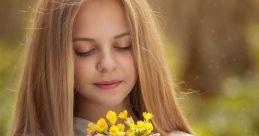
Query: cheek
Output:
(128,65)
(83,70)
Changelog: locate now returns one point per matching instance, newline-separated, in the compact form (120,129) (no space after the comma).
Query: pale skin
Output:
(102,52)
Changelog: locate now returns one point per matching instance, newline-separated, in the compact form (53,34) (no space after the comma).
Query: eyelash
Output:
(85,54)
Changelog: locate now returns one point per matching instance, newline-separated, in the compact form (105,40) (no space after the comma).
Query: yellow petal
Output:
(121,127)
(140,124)
(123,115)
(114,130)
(101,125)
(112,117)
(147,115)
(148,126)
(132,126)
(90,127)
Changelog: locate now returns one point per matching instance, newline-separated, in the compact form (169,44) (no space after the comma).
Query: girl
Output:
(86,57)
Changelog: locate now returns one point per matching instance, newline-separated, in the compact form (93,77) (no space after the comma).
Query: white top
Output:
(80,126)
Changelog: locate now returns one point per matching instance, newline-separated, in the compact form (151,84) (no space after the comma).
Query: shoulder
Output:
(178,133)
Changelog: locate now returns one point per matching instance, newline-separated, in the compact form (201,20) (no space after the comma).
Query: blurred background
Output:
(213,51)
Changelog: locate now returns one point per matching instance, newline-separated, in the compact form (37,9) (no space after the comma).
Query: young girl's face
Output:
(103,55)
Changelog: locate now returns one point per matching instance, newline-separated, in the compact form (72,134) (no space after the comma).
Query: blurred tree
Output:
(212,37)
(14,19)
(13,13)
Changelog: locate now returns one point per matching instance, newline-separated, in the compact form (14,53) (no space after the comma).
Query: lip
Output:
(108,84)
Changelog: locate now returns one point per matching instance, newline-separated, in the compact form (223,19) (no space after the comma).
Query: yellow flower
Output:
(114,130)
(101,125)
(123,115)
(121,127)
(147,115)
(132,126)
(101,128)
(148,126)
(90,127)
(112,117)
(140,124)
(129,133)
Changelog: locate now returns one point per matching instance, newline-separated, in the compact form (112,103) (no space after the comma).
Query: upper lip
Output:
(108,82)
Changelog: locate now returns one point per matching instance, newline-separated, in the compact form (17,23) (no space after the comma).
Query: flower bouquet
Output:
(128,128)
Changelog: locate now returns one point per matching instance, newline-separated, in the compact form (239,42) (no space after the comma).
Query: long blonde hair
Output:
(45,100)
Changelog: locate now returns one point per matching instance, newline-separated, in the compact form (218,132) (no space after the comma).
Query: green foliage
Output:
(233,111)
(9,55)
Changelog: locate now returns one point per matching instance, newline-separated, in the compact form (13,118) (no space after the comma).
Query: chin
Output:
(111,103)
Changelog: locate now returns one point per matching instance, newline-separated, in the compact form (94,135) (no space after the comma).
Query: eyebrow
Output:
(93,40)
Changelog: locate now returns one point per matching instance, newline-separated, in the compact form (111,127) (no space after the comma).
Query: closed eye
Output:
(84,54)
(124,48)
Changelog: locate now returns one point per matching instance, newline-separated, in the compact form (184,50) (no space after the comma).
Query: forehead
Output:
(100,18)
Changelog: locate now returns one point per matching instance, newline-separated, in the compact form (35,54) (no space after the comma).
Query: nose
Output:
(106,62)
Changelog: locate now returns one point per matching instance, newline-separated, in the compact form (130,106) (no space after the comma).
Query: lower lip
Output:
(108,86)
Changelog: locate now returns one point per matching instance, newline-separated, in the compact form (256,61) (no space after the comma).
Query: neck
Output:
(93,111)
